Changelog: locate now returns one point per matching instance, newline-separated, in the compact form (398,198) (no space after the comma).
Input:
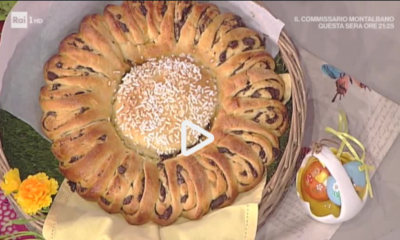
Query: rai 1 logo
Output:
(22,20)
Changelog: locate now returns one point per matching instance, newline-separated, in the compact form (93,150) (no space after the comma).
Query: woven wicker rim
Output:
(283,178)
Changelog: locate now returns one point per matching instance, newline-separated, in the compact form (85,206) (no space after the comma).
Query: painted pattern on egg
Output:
(314,182)
(357,177)
(333,191)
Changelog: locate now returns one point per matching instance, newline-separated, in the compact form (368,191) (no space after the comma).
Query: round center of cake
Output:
(157,96)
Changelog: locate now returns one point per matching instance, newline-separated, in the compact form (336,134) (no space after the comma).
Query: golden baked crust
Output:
(83,78)
(154,99)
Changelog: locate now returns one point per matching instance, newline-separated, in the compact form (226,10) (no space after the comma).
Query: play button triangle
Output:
(208,135)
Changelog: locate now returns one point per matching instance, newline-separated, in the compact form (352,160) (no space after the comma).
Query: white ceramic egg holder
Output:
(351,203)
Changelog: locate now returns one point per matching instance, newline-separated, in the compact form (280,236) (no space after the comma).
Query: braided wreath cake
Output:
(117,92)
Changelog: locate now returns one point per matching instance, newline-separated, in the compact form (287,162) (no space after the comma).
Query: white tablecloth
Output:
(372,56)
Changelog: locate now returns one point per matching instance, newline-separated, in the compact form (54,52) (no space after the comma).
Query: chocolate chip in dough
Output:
(82,189)
(212,162)
(72,186)
(163,192)
(255,95)
(79,40)
(164,9)
(55,87)
(239,22)
(73,44)
(103,138)
(184,198)
(87,48)
(105,201)
(51,76)
(237,132)
(248,41)
(79,135)
(121,169)
(90,69)
(208,127)
(167,214)
(180,178)
(222,57)
(160,166)
(166,156)
(186,11)
(233,44)
(143,186)
(225,150)
(261,153)
(274,92)
(75,159)
(143,10)
(128,200)
(218,201)
(83,109)
(123,27)
(272,120)
(253,171)
(255,119)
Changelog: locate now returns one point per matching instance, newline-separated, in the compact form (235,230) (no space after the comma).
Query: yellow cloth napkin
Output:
(72,218)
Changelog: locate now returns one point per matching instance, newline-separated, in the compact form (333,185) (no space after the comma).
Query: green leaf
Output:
(22,221)
(5,8)
(22,234)
(25,149)
(45,210)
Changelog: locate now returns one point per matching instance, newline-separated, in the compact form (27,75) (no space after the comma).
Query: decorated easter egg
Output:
(316,176)
(346,188)
(357,177)
(333,191)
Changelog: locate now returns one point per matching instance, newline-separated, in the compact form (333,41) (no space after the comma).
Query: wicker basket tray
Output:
(283,177)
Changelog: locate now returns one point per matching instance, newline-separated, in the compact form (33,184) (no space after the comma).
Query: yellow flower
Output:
(11,182)
(35,193)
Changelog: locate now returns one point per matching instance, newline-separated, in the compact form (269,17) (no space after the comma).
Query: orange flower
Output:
(35,193)
(11,182)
